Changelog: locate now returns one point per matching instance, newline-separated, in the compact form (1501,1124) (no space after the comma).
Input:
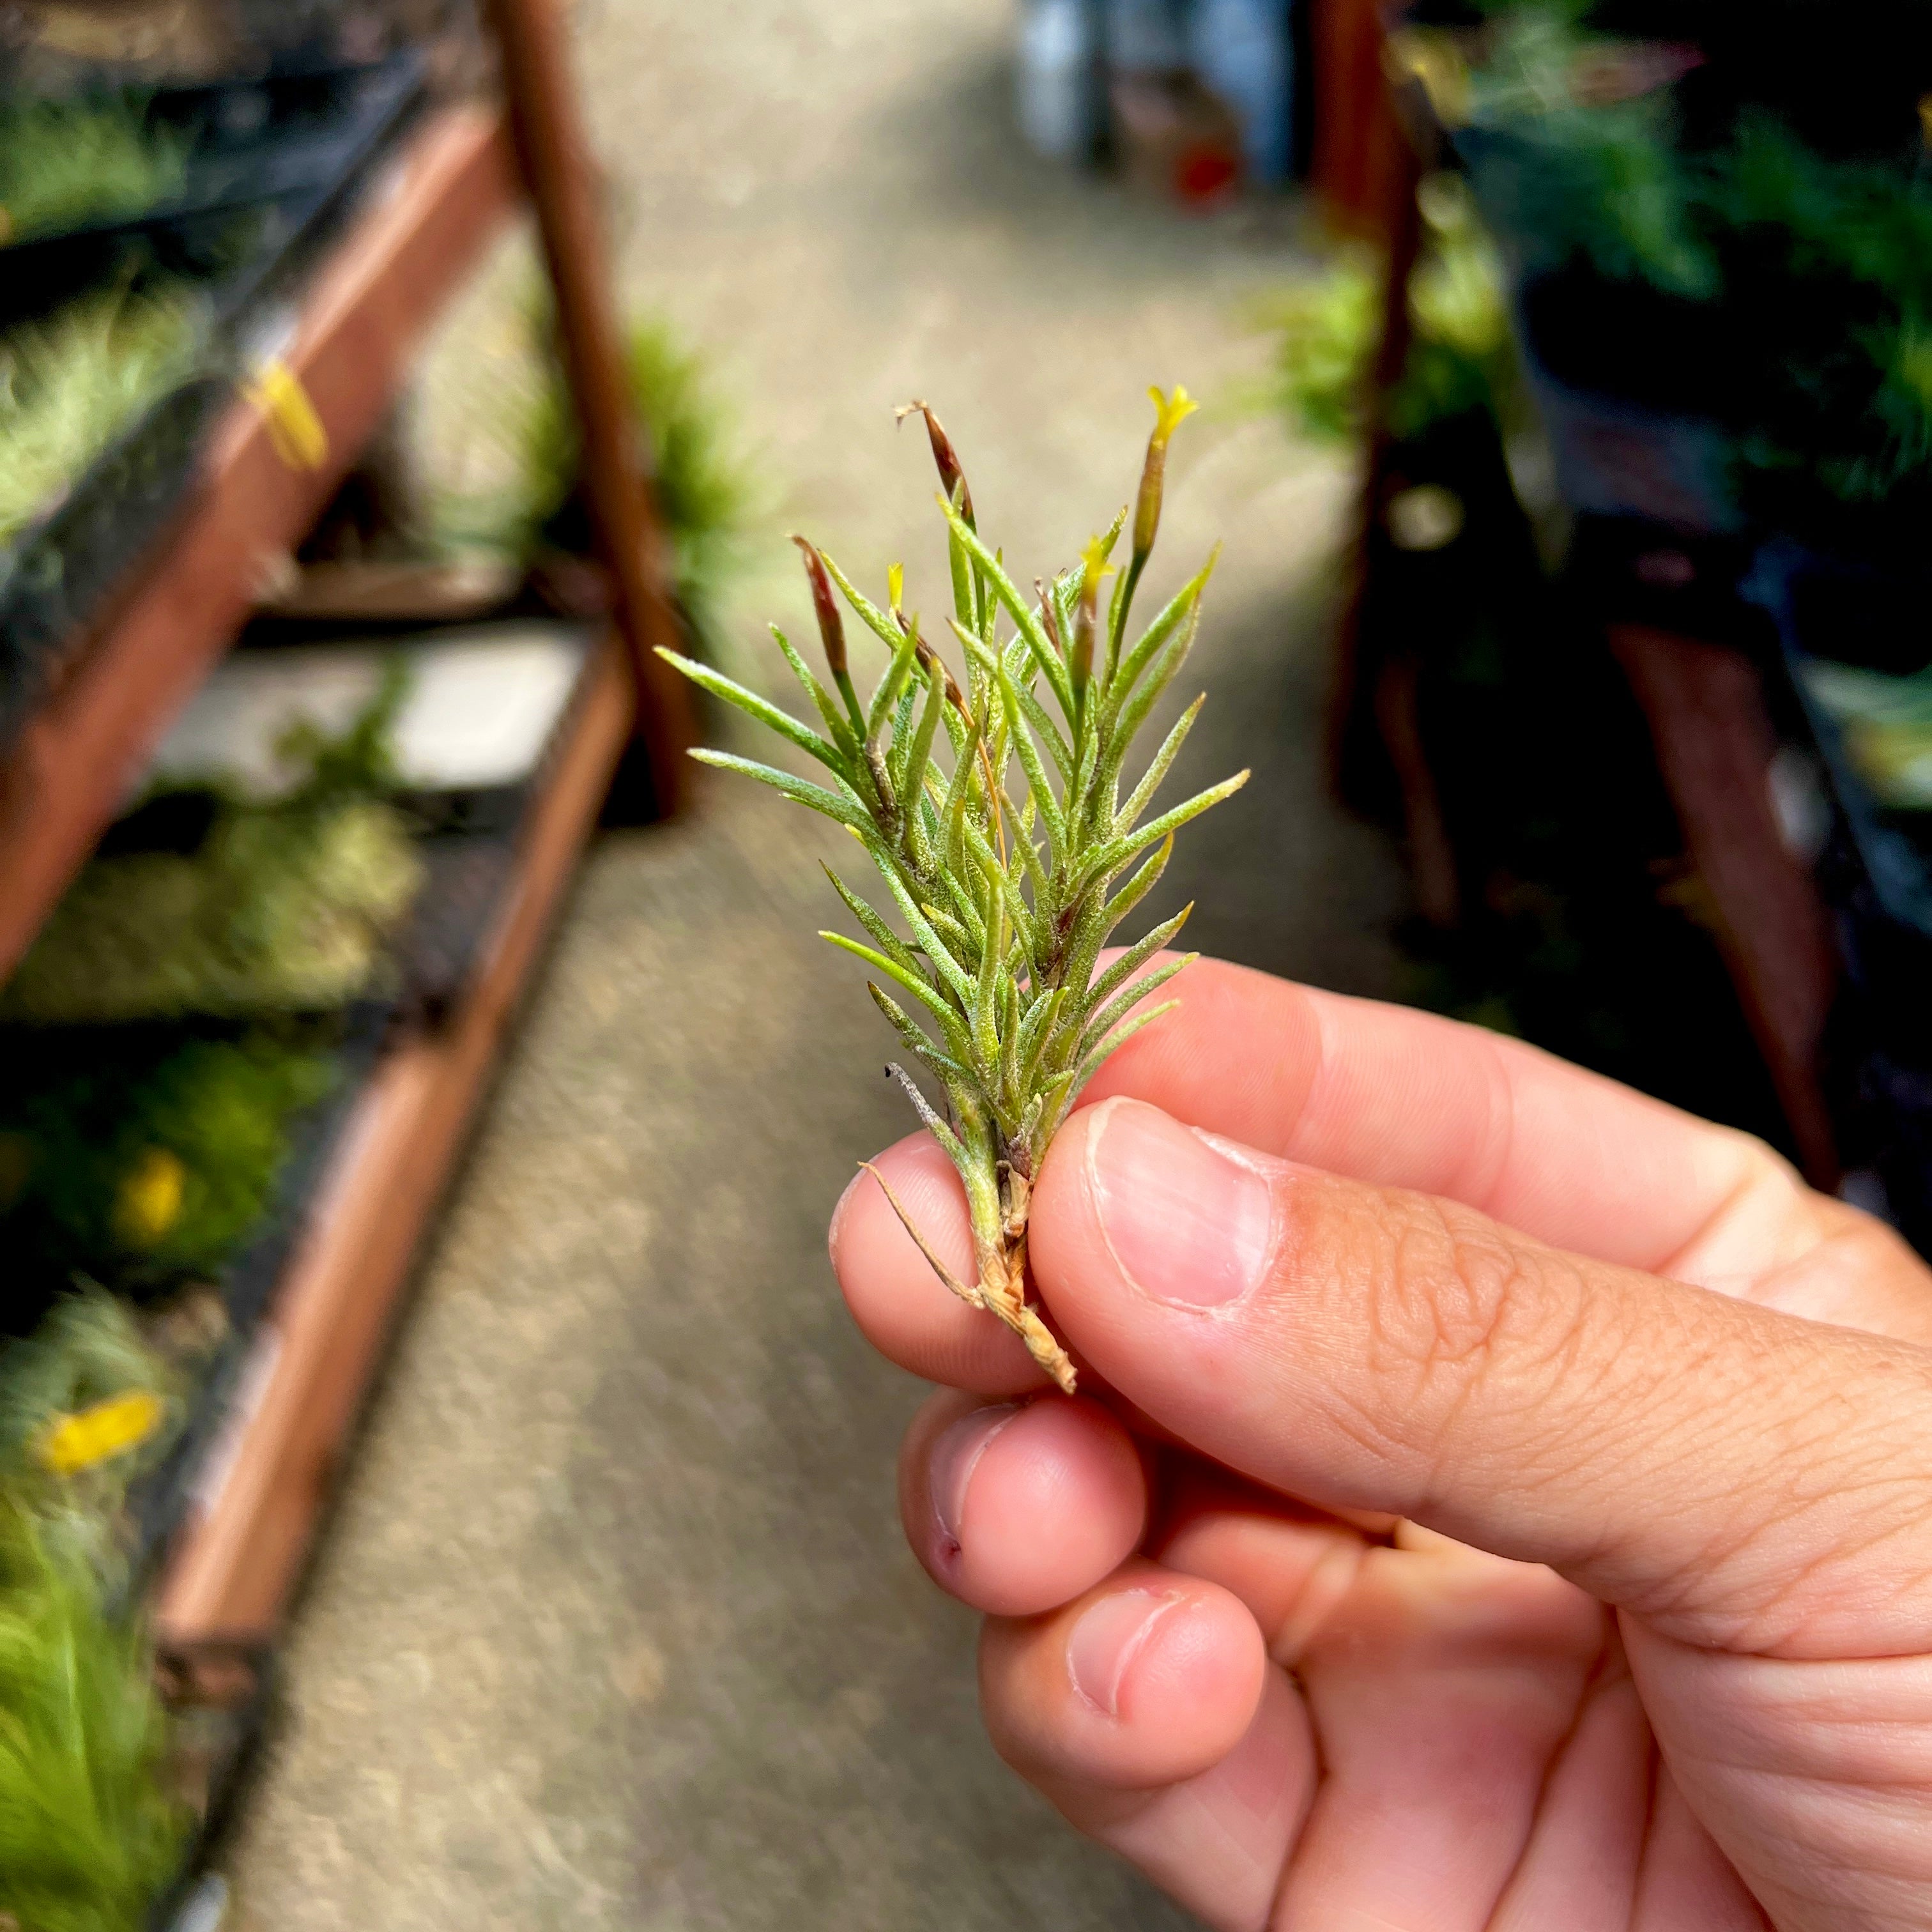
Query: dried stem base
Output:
(1001,1290)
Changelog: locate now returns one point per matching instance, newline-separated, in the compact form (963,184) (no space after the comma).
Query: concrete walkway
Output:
(614,1627)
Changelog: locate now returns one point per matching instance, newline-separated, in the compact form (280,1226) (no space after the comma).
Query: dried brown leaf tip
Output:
(990,805)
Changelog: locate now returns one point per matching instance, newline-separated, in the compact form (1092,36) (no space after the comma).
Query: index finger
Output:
(1398,1098)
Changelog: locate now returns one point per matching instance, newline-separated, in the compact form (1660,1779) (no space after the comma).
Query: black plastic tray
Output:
(54,577)
(57,575)
(256,142)
(1893,853)
(160,1498)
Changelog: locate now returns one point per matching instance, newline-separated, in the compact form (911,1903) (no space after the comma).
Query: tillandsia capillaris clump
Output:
(1007,900)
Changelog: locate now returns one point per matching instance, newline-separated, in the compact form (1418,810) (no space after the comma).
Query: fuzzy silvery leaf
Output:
(1010,869)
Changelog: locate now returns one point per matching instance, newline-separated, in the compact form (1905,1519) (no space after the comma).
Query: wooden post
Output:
(558,170)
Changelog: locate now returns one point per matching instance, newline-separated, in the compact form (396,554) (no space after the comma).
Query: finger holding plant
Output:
(991,808)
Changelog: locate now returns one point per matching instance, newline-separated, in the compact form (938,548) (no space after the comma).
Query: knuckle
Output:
(1457,1312)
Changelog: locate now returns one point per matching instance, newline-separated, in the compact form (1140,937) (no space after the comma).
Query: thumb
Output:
(1736,1477)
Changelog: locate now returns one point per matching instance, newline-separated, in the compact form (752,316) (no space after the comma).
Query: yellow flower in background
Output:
(73,1443)
(149,1201)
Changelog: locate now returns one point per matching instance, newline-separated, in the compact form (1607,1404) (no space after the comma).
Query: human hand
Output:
(1498,1502)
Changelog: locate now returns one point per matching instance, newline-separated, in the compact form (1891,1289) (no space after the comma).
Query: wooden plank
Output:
(237,1565)
(562,182)
(425,226)
(1714,745)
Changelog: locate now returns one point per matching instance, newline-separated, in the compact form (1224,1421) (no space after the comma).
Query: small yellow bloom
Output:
(73,1443)
(149,1201)
(1170,412)
(895,586)
(1093,557)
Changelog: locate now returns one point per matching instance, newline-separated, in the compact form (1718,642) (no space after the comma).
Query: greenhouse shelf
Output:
(351,340)
(239,1557)
(1705,705)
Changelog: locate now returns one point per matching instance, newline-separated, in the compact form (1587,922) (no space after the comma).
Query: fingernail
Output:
(1107,1640)
(954,1456)
(1186,1223)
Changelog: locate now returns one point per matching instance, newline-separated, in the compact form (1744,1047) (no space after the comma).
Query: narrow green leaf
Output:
(846,810)
(952,848)
(913,984)
(1153,640)
(916,1040)
(918,757)
(1117,992)
(986,1001)
(1047,733)
(1117,852)
(888,941)
(1142,882)
(1091,1064)
(965,606)
(887,693)
(835,718)
(1008,593)
(1153,685)
(1142,794)
(948,968)
(1051,823)
(1035,1029)
(879,622)
(766,712)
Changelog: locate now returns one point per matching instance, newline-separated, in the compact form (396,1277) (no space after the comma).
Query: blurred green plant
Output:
(1325,330)
(88,1833)
(1582,169)
(66,164)
(1887,724)
(146,1159)
(704,488)
(71,382)
(1007,904)
(286,906)
(87,1403)
(1460,357)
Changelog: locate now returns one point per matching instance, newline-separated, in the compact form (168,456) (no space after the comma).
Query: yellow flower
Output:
(149,1200)
(1170,412)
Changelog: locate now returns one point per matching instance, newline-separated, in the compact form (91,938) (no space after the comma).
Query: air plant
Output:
(1006,902)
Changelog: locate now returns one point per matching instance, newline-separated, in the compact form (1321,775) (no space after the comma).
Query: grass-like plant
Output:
(1005,901)
(285,907)
(88,1832)
(146,1156)
(703,488)
(70,383)
(67,164)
